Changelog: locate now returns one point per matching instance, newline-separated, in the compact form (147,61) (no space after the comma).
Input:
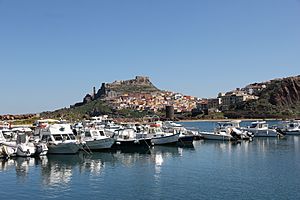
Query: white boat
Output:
(220,135)
(291,127)
(261,129)
(7,149)
(27,147)
(128,138)
(233,127)
(19,144)
(171,124)
(96,139)
(59,138)
(159,137)
(186,137)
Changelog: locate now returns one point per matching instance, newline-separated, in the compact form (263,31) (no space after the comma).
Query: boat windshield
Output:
(292,125)
(253,125)
(72,137)
(102,133)
(87,134)
(46,138)
(58,137)
(95,133)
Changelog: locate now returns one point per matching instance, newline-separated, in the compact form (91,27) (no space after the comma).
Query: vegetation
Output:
(135,89)
(94,108)
(279,100)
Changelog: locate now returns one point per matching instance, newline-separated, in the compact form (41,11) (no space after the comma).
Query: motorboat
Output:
(96,139)
(59,138)
(160,137)
(171,124)
(26,146)
(7,149)
(261,129)
(233,127)
(291,127)
(217,135)
(130,138)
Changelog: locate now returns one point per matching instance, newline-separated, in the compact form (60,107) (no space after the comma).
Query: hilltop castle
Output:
(140,84)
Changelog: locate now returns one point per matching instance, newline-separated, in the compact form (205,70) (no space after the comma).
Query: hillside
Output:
(98,103)
(138,85)
(280,98)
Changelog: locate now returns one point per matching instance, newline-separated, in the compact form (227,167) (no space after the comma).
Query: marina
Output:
(211,169)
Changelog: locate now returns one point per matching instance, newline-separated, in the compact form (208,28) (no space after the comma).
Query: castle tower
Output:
(94,92)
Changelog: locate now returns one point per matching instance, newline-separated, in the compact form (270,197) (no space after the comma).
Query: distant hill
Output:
(280,98)
(141,84)
(97,102)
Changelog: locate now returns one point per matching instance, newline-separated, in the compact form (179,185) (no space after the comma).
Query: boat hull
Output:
(297,132)
(24,150)
(186,140)
(63,148)
(165,140)
(95,145)
(211,136)
(264,133)
(131,143)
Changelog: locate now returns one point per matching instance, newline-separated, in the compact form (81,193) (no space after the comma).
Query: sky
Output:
(52,53)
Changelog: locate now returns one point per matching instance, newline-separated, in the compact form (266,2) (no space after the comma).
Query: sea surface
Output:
(267,168)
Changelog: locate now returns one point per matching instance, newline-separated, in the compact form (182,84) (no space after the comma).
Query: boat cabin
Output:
(259,125)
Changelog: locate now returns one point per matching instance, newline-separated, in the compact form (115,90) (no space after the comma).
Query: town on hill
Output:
(138,98)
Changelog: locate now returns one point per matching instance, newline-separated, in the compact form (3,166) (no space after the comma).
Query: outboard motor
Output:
(280,132)
(235,135)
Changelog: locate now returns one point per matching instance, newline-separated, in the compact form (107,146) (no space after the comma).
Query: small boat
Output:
(261,129)
(59,138)
(25,148)
(96,139)
(291,127)
(128,138)
(233,127)
(220,135)
(160,137)
(20,144)
(7,149)
(187,135)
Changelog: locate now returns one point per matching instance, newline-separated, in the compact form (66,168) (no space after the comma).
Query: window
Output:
(72,137)
(87,134)
(46,138)
(102,133)
(58,137)
(95,133)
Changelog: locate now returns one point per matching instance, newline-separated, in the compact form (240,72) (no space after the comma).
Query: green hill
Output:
(280,99)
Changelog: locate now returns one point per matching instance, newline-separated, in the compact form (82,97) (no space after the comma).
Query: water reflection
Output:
(58,170)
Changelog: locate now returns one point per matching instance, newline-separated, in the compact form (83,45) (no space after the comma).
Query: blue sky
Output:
(53,52)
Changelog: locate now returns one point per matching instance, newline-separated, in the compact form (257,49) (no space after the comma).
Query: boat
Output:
(219,135)
(291,127)
(7,149)
(171,124)
(261,129)
(129,138)
(26,146)
(96,139)
(187,135)
(59,138)
(160,137)
(233,127)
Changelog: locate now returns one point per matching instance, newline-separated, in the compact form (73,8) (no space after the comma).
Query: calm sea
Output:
(267,168)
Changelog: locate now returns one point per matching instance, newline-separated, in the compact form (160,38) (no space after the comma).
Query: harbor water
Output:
(267,168)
